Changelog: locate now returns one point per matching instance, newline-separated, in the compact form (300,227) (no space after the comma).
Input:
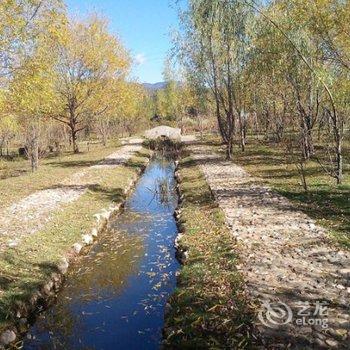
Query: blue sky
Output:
(143,26)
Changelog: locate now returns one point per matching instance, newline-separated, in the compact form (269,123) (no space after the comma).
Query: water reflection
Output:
(116,299)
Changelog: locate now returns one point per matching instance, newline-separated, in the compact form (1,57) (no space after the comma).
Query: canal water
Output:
(116,295)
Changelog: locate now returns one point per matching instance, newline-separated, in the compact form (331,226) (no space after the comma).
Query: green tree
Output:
(213,49)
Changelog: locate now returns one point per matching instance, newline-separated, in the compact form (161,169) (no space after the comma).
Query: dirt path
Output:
(32,213)
(300,280)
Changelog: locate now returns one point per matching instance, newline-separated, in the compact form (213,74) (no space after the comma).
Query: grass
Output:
(209,309)
(27,267)
(324,201)
(50,172)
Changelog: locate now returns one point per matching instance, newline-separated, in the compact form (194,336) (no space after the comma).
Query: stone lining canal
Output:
(116,295)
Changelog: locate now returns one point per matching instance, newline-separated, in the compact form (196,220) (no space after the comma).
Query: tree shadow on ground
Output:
(115,194)
(73,163)
(282,336)
(17,296)
(111,194)
(322,201)
(293,335)
(190,162)
(320,205)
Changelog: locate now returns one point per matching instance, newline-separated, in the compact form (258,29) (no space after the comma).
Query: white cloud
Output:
(140,59)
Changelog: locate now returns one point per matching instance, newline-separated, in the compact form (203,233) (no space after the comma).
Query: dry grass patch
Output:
(26,268)
(51,172)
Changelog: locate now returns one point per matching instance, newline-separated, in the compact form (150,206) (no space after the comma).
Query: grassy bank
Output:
(325,202)
(26,268)
(51,171)
(208,309)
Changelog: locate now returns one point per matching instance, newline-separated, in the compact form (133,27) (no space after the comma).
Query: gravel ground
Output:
(299,279)
(188,138)
(33,212)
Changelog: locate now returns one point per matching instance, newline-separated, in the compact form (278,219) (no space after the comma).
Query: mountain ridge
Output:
(154,86)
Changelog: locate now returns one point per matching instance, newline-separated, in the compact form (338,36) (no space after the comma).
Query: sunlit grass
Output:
(324,201)
(50,172)
(27,267)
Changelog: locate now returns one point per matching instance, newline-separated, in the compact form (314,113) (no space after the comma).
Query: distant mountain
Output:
(154,87)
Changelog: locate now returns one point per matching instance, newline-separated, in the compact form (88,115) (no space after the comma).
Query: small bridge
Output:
(161,132)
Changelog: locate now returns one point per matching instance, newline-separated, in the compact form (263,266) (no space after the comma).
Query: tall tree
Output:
(28,65)
(31,97)
(21,22)
(215,47)
(88,59)
(321,24)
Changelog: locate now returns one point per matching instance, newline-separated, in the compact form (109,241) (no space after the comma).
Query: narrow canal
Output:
(116,295)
